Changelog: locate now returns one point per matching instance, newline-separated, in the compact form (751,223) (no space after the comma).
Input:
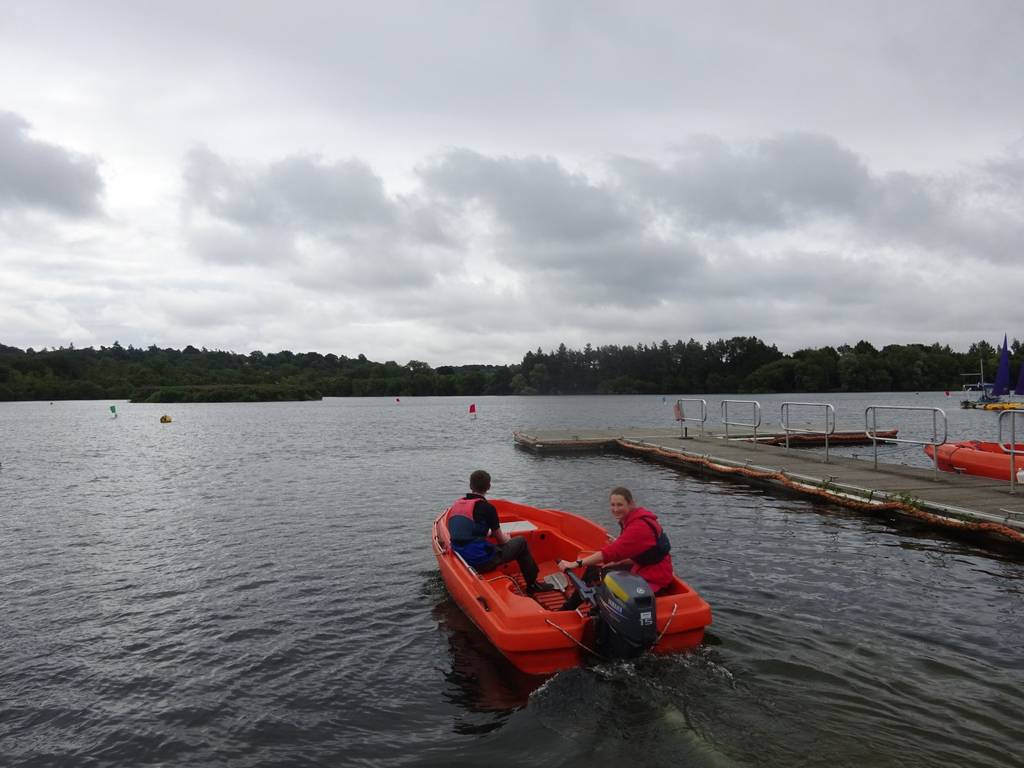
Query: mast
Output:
(1019,389)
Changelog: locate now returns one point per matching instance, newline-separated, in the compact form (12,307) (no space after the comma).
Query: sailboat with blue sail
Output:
(992,399)
(1002,383)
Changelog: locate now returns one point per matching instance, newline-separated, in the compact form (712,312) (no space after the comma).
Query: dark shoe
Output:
(532,589)
(572,602)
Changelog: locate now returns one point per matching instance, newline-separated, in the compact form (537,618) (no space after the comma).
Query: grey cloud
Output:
(534,198)
(793,297)
(1006,173)
(794,182)
(974,215)
(722,241)
(562,229)
(794,278)
(225,191)
(36,174)
(632,280)
(232,245)
(368,268)
(895,72)
(798,298)
(327,226)
(219,305)
(619,273)
(344,193)
(769,185)
(911,209)
(297,192)
(795,237)
(428,222)
(813,172)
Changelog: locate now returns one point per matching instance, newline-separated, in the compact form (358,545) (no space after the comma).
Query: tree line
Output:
(742,364)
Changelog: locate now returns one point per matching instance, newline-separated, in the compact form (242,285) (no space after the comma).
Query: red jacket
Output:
(636,537)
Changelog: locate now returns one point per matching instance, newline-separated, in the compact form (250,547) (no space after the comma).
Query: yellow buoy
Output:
(165,419)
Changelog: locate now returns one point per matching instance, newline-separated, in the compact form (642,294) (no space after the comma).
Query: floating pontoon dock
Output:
(958,501)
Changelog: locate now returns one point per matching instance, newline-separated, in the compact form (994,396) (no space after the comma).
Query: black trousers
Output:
(517,550)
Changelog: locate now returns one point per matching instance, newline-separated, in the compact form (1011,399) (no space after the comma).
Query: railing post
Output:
(829,429)
(683,419)
(871,430)
(1013,454)
(874,430)
(1012,449)
(829,409)
(754,424)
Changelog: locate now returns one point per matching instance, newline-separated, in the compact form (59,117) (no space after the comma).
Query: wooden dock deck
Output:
(956,501)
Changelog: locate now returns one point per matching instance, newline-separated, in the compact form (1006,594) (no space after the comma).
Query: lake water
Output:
(252,585)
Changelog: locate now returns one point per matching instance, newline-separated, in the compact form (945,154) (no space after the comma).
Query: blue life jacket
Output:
(475,553)
(467,536)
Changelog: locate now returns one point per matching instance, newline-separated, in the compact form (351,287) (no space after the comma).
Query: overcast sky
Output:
(462,181)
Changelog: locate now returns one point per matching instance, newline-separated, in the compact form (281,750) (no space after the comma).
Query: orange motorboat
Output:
(532,631)
(977,458)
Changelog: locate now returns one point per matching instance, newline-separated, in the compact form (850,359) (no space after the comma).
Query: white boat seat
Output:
(518,526)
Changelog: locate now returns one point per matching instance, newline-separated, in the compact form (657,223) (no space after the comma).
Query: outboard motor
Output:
(623,607)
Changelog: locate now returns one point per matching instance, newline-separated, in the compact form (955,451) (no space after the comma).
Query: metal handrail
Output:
(754,425)
(682,418)
(784,422)
(1012,447)
(871,429)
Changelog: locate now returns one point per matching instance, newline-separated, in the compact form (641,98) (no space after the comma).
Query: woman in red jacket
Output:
(642,545)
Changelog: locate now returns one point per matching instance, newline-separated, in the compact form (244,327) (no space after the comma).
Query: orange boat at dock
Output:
(532,631)
(977,458)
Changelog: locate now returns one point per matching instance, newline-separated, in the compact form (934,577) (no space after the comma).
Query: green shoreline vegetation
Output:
(742,364)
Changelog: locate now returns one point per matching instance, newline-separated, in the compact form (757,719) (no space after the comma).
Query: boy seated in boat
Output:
(472,519)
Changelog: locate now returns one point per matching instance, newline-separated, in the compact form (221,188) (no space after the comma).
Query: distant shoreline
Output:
(225,393)
(742,364)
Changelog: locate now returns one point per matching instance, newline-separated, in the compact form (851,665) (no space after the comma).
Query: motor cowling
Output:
(626,616)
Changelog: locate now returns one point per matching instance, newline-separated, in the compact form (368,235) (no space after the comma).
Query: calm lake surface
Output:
(253,585)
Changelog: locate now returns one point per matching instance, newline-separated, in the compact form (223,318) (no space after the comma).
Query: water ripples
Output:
(253,585)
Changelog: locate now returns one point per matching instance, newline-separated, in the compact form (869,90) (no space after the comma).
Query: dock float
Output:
(962,503)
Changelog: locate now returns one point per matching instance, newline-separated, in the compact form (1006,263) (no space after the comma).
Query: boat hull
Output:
(531,633)
(976,458)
